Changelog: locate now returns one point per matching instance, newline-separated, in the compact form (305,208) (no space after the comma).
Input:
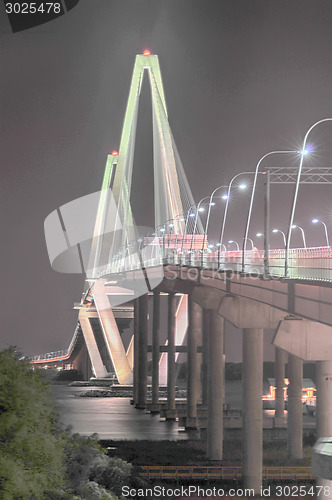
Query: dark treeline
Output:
(38,460)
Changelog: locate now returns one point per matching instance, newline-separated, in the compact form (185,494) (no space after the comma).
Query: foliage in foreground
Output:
(37,459)
(32,453)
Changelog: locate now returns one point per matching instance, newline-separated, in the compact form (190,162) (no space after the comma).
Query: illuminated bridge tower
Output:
(172,197)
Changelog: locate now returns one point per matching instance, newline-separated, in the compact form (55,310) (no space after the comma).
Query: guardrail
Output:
(62,354)
(304,263)
(222,472)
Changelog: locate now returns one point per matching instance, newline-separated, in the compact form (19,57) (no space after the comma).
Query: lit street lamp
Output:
(190,214)
(266,243)
(222,245)
(251,242)
(199,209)
(283,234)
(303,237)
(237,245)
(241,187)
(315,221)
(291,220)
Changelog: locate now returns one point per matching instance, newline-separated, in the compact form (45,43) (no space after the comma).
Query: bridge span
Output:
(288,290)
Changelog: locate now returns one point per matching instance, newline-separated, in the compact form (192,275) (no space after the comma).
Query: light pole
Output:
(315,221)
(303,236)
(189,214)
(291,219)
(252,200)
(252,243)
(209,212)
(199,209)
(237,245)
(283,234)
(241,186)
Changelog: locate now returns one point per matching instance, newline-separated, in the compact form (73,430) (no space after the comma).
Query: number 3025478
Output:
(32,8)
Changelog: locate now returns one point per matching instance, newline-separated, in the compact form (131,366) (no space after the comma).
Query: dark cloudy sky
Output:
(241,78)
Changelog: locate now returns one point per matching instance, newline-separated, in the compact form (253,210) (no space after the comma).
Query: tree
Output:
(31,447)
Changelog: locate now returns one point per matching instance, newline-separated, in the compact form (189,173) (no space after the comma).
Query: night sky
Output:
(241,78)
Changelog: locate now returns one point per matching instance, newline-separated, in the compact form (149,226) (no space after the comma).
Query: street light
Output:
(242,187)
(252,243)
(283,234)
(199,209)
(222,245)
(304,153)
(189,214)
(315,221)
(303,237)
(211,203)
(237,245)
(252,201)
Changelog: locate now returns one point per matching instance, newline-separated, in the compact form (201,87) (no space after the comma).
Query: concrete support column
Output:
(252,409)
(136,350)
(205,355)
(171,373)
(194,332)
(279,369)
(142,351)
(324,413)
(295,407)
(155,352)
(215,429)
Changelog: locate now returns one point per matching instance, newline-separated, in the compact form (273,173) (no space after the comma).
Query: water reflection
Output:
(111,418)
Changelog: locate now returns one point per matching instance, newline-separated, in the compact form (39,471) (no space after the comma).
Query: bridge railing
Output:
(63,353)
(304,263)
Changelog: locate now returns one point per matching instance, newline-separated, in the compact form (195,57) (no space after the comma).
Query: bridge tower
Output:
(172,194)
(172,197)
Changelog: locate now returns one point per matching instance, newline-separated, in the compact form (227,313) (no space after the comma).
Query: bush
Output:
(112,473)
(38,460)
(32,449)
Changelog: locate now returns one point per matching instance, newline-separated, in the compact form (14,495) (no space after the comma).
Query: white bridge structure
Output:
(126,266)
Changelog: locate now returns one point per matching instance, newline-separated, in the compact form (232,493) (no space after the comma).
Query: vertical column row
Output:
(215,430)
(252,410)
(155,352)
(193,389)
(294,407)
(171,368)
(142,351)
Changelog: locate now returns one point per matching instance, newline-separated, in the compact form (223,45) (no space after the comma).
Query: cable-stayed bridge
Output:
(287,289)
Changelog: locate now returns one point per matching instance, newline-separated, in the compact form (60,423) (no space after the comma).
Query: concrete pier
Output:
(142,351)
(280,362)
(205,354)
(215,430)
(295,407)
(194,332)
(155,352)
(324,413)
(252,426)
(171,372)
(136,351)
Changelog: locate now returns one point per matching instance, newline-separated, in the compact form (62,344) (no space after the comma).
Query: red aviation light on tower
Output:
(146,53)
(115,153)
